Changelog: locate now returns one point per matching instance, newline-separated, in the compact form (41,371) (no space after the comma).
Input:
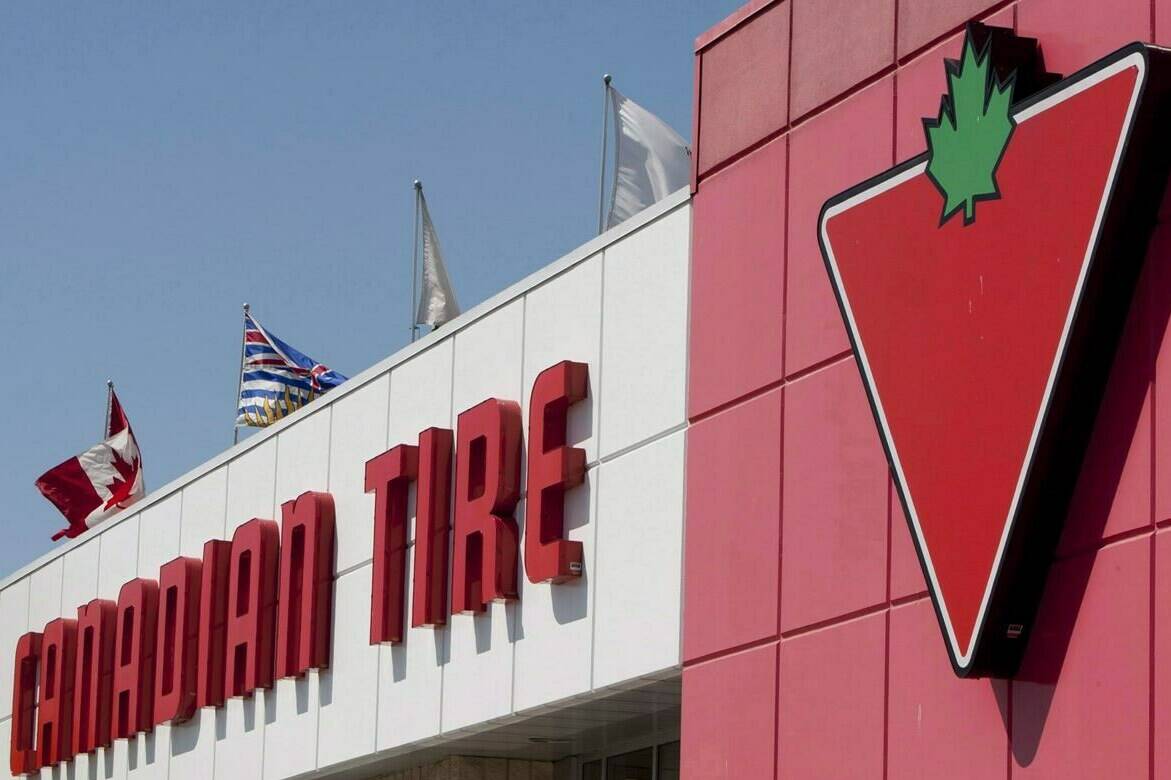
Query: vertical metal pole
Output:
(602,171)
(415,263)
(109,407)
(239,384)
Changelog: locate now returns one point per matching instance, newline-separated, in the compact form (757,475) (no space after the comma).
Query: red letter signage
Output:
(553,469)
(55,708)
(178,640)
(251,608)
(95,672)
(306,592)
(23,754)
(134,657)
(487,488)
(432,515)
(388,476)
(213,617)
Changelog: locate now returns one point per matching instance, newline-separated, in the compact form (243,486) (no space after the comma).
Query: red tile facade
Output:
(732,551)
(840,671)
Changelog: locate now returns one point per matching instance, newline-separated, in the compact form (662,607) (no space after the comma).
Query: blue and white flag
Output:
(276,380)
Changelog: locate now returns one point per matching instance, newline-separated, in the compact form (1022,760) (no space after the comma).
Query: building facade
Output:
(723,585)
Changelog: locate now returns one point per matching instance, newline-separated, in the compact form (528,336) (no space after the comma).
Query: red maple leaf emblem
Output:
(120,489)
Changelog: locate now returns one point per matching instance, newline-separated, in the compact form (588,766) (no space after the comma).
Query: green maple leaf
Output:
(968,140)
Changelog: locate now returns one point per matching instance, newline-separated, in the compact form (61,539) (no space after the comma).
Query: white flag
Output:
(652,159)
(437,303)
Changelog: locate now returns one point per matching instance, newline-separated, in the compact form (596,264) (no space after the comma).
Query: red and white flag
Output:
(99,482)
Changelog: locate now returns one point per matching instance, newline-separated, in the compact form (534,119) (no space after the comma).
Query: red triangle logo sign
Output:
(984,285)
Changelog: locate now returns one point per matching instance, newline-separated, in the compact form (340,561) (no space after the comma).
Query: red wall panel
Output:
(939,725)
(832,705)
(729,716)
(835,500)
(1158,272)
(1081,703)
(832,151)
(922,21)
(836,45)
(732,555)
(1161,663)
(738,280)
(1073,35)
(744,87)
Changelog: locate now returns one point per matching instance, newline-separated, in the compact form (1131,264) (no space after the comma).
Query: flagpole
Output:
(109,407)
(239,386)
(415,262)
(602,171)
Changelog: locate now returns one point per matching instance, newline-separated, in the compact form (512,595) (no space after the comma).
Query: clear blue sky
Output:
(161,163)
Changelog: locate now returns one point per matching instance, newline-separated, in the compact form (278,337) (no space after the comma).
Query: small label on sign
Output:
(575,568)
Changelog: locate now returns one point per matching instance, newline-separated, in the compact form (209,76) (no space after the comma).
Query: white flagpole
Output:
(415,263)
(602,172)
(239,385)
(109,407)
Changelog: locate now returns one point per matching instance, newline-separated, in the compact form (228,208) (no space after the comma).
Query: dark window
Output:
(636,765)
(669,761)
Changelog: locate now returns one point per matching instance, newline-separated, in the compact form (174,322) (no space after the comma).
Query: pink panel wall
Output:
(826,660)
(733,548)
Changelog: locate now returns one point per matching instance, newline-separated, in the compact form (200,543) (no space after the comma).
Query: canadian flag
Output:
(99,482)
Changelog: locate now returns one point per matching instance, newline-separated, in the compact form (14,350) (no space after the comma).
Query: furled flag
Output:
(651,159)
(275,379)
(437,303)
(99,482)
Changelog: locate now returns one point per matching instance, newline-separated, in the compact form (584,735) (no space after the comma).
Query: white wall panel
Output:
(302,458)
(639,562)
(193,746)
(6,738)
(644,332)
(409,683)
(553,651)
(118,557)
(114,762)
(13,625)
(349,689)
(148,755)
(358,433)
(251,486)
(203,511)
(239,750)
(477,681)
(158,535)
(420,394)
(44,602)
(80,582)
(290,728)
(488,359)
(563,322)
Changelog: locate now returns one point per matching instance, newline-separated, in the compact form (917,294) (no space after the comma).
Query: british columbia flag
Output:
(276,380)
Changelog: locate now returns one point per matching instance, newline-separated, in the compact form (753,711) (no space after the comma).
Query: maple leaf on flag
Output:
(967,141)
(122,486)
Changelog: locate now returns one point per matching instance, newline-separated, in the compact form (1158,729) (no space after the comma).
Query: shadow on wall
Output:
(1116,430)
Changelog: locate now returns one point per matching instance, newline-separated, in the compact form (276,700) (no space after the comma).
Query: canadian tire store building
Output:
(724,583)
